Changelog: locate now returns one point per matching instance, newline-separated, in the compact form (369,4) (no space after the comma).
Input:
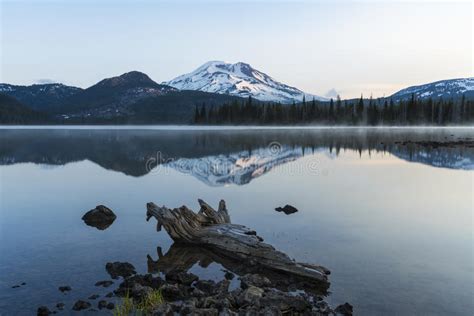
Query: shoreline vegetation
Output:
(361,112)
(244,112)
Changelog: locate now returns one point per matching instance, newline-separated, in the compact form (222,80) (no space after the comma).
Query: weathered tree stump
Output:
(213,229)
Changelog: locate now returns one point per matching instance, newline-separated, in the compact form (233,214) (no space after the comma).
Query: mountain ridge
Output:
(130,98)
(114,94)
(40,97)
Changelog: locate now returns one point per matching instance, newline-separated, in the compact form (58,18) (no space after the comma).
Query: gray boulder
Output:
(101,217)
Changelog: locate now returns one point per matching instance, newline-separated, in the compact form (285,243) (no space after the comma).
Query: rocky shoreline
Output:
(185,294)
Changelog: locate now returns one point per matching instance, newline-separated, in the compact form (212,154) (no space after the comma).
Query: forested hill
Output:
(383,111)
(14,112)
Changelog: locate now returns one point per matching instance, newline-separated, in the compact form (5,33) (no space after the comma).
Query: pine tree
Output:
(360,109)
(331,111)
(202,114)
(196,115)
(338,115)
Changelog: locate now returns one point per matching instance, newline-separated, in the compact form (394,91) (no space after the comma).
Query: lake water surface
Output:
(388,211)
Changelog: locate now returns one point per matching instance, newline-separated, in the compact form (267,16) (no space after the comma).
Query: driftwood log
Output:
(213,229)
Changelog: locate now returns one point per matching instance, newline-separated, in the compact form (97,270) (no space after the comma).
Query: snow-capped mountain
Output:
(238,79)
(452,88)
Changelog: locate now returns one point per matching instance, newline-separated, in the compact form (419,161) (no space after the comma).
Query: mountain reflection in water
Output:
(220,157)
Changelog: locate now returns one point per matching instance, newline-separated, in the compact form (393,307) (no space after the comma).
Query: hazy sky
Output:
(351,46)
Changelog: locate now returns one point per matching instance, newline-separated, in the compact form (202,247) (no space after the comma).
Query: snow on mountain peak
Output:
(239,79)
(439,89)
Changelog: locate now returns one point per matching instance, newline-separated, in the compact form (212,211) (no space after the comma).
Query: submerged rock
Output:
(65,288)
(102,304)
(18,285)
(287,209)
(344,309)
(105,283)
(101,217)
(93,297)
(110,305)
(60,306)
(43,311)
(80,305)
(123,269)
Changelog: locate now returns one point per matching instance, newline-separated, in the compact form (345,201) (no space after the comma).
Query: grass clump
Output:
(145,307)
(151,301)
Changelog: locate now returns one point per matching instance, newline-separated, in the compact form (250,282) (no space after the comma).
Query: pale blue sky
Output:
(352,46)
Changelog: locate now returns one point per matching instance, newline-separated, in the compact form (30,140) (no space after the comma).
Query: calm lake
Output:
(388,211)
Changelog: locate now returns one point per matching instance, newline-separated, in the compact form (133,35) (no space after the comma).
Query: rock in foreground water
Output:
(105,283)
(80,305)
(287,209)
(102,304)
(101,217)
(123,269)
(344,309)
(65,288)
(43,311)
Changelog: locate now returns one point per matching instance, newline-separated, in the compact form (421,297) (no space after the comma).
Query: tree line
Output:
(382,111)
